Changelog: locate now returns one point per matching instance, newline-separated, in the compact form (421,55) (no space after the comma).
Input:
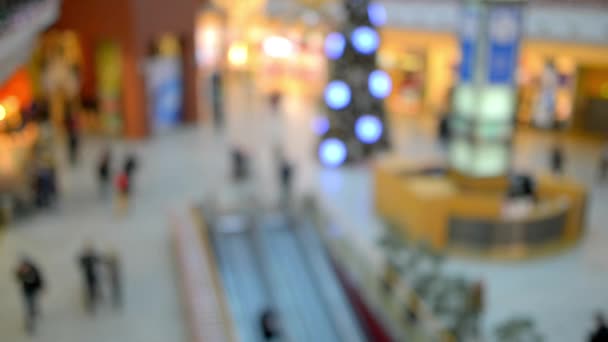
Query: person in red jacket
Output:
(122,190)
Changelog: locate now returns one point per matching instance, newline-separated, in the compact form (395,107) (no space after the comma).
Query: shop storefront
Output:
(24,143)
(278,56)
(560,85)
(56,75)
(422,66)
(115,79)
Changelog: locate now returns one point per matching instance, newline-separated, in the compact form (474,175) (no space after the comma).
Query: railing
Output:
(364,265)
(11,10)
(20,22)
(207,315)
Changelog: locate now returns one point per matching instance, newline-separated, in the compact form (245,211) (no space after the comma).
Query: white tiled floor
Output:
(177,169)
(53,238)
(184,166)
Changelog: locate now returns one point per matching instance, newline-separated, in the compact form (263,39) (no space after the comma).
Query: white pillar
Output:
(484,100)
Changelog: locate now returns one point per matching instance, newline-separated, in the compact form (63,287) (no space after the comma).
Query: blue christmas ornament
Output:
(377,14)
(334,45)
(365,40)
(337,95)
(332,152)
(380,84)
(368,129)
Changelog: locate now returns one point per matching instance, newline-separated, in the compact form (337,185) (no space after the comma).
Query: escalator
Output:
(267,263)
(243,284)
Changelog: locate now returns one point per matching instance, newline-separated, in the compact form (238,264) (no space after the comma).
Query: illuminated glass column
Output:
(484,100)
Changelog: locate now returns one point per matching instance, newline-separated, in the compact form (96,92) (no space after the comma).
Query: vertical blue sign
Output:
(468,40)
(505,26)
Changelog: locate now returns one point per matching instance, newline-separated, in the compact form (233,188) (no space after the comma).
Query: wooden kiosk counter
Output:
(474,218)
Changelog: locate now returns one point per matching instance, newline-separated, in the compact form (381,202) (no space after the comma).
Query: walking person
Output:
(130,167)
(217,101)
(239,165)
(104,171)
(275,101)
(122,192)
(557,159)
(285,177)
(71,126)
(444,133)
(604,163)
(269,325)
(30,278)
(88,261)
(113,269)
(600,334)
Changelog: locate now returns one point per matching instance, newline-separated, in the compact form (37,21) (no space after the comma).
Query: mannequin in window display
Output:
(544,113)
(411,91)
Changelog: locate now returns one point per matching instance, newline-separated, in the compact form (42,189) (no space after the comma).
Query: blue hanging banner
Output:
(505,27)
(468,43)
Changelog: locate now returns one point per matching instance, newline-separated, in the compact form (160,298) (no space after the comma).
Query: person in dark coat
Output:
(269,325)
(71,127)
(239,167)
(275,101)
(217,101)
(30,278)
(557,159)
(600,334)
(130,167)
(286,176)
(604,163)
(444,133)
(104,173)
(88,261)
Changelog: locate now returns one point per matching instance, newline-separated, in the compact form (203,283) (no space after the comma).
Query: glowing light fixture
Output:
(334,45)
(278,47)
(12,104)
(368,129)
(380,84)
(2,113)
(365,40)
(332,152)
(238,54)
(320,125)
(337,95)
(376,13)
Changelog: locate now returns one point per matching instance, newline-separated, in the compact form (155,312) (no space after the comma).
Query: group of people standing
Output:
(101,272)
(123,179)
(90,263)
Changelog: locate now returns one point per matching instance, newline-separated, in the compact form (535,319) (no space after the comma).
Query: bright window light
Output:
(278,47)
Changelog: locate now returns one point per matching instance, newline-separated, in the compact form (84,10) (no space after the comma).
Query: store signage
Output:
(165,91)
(468,41)
(505,26)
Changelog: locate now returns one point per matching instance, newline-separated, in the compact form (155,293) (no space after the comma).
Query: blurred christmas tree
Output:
(356,90)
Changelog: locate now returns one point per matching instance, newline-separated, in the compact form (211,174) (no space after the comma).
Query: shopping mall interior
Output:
(303,170)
